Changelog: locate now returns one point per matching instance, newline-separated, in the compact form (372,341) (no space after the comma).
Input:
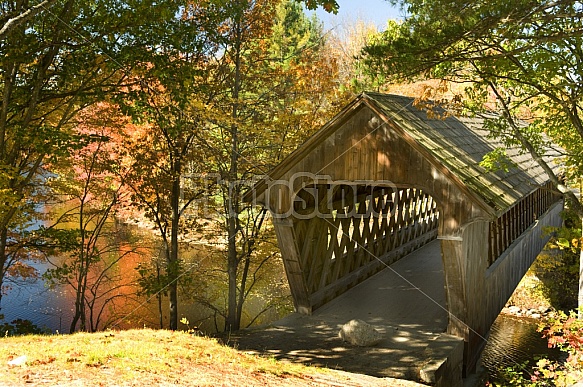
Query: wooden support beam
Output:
(286,238)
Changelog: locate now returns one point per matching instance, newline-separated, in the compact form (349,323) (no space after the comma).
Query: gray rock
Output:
(514,309)
(359,333)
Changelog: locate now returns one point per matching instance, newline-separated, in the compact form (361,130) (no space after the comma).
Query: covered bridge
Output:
(382,179)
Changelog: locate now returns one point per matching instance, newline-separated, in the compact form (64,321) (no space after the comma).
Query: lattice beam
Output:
(356,227)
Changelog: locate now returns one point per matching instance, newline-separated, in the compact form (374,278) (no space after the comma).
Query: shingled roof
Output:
(458,144)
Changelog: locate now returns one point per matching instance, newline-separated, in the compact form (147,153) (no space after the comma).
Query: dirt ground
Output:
(316,343)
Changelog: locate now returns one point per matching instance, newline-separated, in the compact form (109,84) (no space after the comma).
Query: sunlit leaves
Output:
(54,65)
(497,160)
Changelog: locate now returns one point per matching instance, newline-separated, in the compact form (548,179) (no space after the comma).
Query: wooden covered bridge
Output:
(381,180)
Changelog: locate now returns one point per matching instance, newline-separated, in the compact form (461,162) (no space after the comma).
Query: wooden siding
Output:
(380,180)
(483,290)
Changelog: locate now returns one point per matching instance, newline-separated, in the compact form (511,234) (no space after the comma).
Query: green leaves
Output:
(328,5)
(497,160)
(520,59)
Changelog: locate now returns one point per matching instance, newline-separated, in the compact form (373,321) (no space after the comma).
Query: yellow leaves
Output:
(21,270)
(573,245)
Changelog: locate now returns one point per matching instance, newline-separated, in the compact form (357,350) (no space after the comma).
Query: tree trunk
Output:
(233,321)
(159,297)
(3,240)
(173,258)
(580,295)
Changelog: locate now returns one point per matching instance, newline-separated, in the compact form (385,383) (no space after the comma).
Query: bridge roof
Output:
(459,144)
(456,144)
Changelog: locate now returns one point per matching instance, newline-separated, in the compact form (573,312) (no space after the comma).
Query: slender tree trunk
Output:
(233,321)
(79,289)
(173,261)
(248,252)
(159,297)
(3,258)
(244,276)
(78,306)
(580,295)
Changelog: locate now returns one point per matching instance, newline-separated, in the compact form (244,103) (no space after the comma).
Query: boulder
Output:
(359,333)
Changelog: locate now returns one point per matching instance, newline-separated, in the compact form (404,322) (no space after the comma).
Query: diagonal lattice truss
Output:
(346,233)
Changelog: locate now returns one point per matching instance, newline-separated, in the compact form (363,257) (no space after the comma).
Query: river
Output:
(515,342)
(52,309)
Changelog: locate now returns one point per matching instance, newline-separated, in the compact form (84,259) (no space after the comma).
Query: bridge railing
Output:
(511,224)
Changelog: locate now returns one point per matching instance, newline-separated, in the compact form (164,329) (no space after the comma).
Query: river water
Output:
(52,309)
(515,342)
(46,308)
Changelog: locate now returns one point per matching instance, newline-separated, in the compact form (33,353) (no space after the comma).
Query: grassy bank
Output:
(153,358)
(136,357)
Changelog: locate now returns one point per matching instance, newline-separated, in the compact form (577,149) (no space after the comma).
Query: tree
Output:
(90,184)
(171,97)
(308,86)
(12,20)
(523,55)
(240,103)
(520,58)
(345,44)
(277,87)
(47,75)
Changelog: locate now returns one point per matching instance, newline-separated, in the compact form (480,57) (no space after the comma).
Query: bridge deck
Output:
(405,301)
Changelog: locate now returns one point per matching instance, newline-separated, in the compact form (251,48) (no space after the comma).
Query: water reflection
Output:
(46,308)
(202,301)
(512,342)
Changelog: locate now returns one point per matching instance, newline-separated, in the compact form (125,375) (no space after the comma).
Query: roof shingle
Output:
(459,144)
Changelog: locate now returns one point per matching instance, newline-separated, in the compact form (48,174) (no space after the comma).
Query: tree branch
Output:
(17,20)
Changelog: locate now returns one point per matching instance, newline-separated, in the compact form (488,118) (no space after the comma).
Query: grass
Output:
(139,357)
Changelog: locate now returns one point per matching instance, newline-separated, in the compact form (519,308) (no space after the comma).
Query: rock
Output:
(514,309)
(21,360)
(359,333)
